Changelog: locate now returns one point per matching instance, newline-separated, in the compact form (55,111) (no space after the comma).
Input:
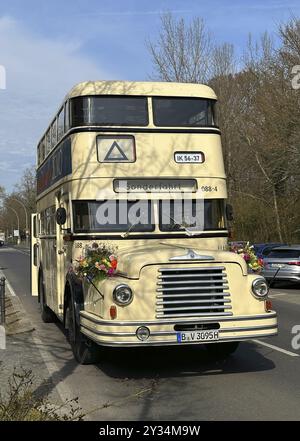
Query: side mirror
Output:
(229,212)
(61,216)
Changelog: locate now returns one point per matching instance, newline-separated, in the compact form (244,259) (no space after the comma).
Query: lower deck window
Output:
(138,216)
(195,214)
(113,216)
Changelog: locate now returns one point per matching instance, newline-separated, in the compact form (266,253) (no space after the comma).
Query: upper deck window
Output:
(183,112)
(109,111)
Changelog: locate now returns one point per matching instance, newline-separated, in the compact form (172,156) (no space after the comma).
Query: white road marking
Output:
(8,285)
(273,296)
(276,348)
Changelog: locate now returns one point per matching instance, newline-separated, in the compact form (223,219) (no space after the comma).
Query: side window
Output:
(54,134)
(42,150)
(48,142)
(67,117)
(42,224)
(60,124)
(267,251)
(34,233)
(52,220)
(57,164)
(47,221)
(39,154)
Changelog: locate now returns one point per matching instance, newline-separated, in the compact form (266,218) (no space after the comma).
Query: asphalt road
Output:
(258,382)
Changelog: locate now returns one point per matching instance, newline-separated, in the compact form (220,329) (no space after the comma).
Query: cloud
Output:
(39,72)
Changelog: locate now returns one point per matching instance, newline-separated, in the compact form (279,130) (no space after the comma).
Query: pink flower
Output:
(110,271)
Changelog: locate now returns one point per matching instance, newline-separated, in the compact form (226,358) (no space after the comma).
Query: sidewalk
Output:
(21,360)
(16,318)
(19,349)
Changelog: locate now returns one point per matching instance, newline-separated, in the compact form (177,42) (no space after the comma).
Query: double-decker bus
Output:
(137,168)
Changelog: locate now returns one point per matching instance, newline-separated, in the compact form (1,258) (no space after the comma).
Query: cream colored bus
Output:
(122,169)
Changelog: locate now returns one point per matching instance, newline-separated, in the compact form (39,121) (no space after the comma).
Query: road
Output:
(258,382)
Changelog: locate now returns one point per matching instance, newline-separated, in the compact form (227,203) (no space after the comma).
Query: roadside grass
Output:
(21,403)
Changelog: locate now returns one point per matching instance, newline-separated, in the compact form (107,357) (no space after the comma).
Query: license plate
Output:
(184,337)
(277,265)
(189,157)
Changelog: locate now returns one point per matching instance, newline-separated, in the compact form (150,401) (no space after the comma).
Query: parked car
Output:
(283,263)
(1,243)
(238,243)
(262,250)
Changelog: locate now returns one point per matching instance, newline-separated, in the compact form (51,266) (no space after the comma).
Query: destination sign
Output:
(154,185)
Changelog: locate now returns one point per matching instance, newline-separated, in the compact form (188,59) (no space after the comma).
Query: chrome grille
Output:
(197,292)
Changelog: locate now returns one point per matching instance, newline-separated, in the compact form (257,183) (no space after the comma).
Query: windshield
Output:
(198,215)
(184,112)
(109,110)
(138,216)
(285,254)
(113,216)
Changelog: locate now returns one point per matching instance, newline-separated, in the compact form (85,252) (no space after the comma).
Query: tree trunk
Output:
(277,214)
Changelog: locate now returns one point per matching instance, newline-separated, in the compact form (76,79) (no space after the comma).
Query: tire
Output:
(85,351)
(222,350)
(47,314)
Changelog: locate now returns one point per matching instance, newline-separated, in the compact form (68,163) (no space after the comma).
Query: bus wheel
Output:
(222,350)
(84,350)
(47,314)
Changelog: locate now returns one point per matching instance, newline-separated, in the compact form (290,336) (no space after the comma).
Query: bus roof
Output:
(146,88)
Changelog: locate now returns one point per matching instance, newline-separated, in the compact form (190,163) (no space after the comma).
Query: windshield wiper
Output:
(188,231)
(126,234)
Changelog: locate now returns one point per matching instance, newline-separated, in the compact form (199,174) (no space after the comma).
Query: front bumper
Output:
(162,333)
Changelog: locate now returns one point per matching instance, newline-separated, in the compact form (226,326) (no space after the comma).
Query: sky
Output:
(48,46)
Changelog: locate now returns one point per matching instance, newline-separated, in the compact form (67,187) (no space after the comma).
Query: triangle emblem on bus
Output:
(114,150)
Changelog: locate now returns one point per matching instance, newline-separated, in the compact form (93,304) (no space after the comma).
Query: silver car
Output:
(283,263)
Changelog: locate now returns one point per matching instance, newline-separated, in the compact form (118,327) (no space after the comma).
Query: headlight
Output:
(260,288)
(122,295)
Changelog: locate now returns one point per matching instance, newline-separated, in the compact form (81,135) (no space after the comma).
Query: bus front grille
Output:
(197,292)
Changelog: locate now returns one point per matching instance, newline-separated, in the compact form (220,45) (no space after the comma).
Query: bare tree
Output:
(259,115)
(26,188)
(182,52)
(290,37)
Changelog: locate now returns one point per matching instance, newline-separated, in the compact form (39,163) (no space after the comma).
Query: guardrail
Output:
(2,300)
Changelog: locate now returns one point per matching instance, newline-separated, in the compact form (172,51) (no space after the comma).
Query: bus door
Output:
(34,256)
(49,267)
(61,254)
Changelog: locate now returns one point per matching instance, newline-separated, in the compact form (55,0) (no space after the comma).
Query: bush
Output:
(22,403)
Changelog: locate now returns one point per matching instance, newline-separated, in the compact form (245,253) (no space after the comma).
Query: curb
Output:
(16,317)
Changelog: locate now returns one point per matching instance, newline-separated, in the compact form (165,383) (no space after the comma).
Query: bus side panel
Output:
(34,256)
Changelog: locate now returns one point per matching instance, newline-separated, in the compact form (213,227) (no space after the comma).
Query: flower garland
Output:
(247,252)
(97,262)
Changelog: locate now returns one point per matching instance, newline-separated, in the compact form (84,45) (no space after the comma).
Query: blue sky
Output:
(47,46)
